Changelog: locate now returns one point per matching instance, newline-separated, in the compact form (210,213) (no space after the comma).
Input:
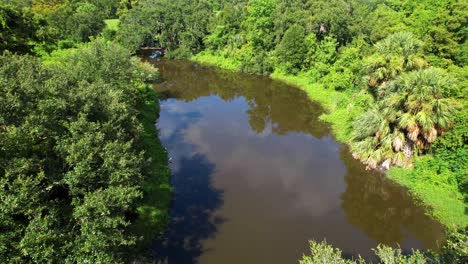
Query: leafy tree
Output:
(107,8)
(17,29)
(72,159)
(454,252)
(84,23)
(125,5)
(63,24)
(440,25)
(332,17)
(225,27)
(385,21)
(259,24)
(169,24)
(292,50)
(287,14)
(324,253)
(18,3)
(320,55)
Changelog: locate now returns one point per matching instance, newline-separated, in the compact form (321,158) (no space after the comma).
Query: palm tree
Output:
(413,111)
(398,53)
(425,110)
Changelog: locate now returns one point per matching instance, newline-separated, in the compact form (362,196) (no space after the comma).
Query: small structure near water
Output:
(156,52)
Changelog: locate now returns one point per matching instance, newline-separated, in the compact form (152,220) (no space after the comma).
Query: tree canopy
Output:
(72,158)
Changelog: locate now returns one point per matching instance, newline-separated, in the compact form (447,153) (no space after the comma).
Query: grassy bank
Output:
(222,62)
(153,211)
(443,200)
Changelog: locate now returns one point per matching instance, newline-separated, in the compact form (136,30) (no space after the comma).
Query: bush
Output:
(321,253)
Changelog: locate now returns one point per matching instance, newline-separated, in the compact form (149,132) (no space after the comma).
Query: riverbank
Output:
(153,209)
(442,201)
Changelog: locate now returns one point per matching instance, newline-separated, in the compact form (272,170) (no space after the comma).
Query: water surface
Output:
(256,175)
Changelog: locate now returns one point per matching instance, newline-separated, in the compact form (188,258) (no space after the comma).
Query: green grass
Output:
(207,58)
(112,24)
(443,200)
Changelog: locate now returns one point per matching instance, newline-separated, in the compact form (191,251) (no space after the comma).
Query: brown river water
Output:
(256,175)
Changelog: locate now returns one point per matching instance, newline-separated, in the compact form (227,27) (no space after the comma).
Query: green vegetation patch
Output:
(435,185)
(83,174)
(454,252)
(209,58)
(112,24)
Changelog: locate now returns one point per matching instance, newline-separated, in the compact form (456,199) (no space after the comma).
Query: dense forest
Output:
(82,173)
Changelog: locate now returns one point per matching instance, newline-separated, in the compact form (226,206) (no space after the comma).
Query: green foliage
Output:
(169,24)
(456,250)
(412,111)
(396,54)
(287,14)
(324,253)
(412,108)
(85,23)
(385,21)
(332,17)
(224,28)
(458,136)
(125,5)
(259,24)
(73,161)
(217,60)
(320,55)
(292,50)
(107,8)
(67,21)
(17,29)
(435,183)
(112,24)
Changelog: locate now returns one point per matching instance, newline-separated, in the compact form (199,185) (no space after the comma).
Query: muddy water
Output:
(256,175)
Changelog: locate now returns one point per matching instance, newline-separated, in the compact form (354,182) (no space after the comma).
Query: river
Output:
(256,175)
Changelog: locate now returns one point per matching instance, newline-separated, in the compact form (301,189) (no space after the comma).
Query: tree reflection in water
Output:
(373,210)
(383,210)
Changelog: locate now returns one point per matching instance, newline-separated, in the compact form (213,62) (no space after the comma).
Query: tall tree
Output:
(292,50)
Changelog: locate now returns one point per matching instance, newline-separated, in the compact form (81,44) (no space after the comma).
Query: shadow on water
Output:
(193,218)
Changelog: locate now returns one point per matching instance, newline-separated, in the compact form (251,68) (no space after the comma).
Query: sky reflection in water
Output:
(256,175)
